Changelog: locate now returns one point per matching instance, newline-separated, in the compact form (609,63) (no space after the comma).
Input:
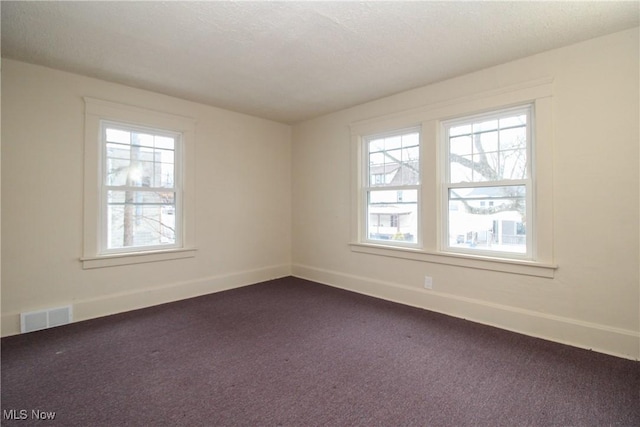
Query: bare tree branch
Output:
(162,224)
(483,168)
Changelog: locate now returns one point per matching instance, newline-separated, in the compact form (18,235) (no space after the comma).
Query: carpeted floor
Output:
(295,353)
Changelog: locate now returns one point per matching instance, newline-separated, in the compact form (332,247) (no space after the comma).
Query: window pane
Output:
(392,215)
(118,151)
(513,164)
(141,139)
(485,126)
(166,156)
(519,120)
(410,153)
(485,167)
(376,145)
(460,169)
(460,145)
(488,141)
(513,138)
(140,218)
(376,158)
(165,142)
(117,170)
(118,135)
(460,130)
(144,153)
(164,175)
(393,142)
(147,174)
(393,158)
(411,139)
(488,218)
(410,174)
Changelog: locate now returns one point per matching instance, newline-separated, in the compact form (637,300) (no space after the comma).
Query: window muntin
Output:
(487,187)
(141,188)
(392,187)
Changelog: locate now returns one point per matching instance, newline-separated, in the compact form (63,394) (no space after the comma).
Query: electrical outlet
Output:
(428,282)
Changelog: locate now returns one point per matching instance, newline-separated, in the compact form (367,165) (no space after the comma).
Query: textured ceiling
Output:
(290,61)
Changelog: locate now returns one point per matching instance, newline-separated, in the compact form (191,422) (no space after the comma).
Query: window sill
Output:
(136,258)
(527,268)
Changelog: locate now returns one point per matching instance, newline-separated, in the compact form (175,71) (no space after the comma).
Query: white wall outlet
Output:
(428,282)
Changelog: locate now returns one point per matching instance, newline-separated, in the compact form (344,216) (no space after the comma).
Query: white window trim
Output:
(97,110)
(536,92)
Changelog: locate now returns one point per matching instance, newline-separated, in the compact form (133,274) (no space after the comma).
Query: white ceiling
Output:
(290,61)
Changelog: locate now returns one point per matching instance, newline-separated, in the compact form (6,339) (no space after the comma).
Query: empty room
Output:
(320,213)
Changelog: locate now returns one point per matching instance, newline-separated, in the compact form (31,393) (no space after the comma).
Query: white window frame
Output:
(95,253)
(528,183)
(105,188)
(367,189)
(537,93)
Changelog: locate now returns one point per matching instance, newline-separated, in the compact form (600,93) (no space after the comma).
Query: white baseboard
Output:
(141,298)
(601,338)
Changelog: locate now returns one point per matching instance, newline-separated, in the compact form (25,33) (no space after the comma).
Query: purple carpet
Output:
(295,353)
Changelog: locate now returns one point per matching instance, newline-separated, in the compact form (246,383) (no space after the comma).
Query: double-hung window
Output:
(138,185)
(470,185)
(391,187)
(141,192)
(487,188)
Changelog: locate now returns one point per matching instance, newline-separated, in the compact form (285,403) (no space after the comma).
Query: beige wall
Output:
(243,201)
(253,173)
(593,300)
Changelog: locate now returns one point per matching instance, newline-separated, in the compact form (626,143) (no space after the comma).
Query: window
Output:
(392,187)
(473,188)
(487,183)
(141,190)
(138,185)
